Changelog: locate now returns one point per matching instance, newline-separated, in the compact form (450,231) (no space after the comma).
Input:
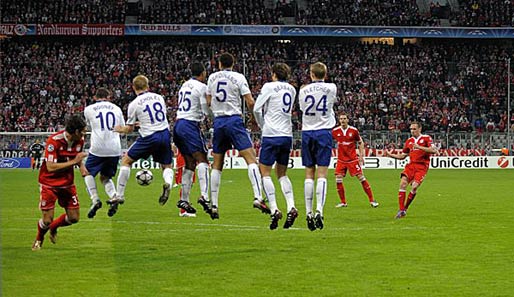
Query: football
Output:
(144,177)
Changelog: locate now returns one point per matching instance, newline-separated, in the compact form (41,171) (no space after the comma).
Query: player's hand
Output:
(118,129)
(416,146)
(79,157)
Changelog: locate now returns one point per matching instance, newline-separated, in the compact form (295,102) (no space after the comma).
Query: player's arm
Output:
(257,108)
(250,103)
(361,151)
(54,166)
(399,156)
(431,149)
(124,129)
(204,104)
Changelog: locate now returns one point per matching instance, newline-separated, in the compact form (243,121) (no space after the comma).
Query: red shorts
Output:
(415,172)
(352,166)
(67,197)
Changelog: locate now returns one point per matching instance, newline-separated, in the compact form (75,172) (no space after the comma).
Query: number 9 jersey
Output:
(150,110)
(317,104)
(101,117)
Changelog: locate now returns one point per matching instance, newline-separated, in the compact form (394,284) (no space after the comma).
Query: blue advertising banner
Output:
(256,30)
(11,163)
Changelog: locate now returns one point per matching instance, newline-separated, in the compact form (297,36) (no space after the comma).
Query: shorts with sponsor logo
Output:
(275,149)
(188,137)
(67,197)
(107,166)
(353,166)
(316,147)
(230,131)
(415,172)
(157,145)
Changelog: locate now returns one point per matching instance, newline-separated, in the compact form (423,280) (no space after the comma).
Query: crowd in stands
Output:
(317,12)
(63,11)
(448,87)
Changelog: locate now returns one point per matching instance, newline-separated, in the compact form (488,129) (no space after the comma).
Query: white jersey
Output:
(191,97)
(101,117)
(226,88)
(150,110)
(317,104)
(273,108)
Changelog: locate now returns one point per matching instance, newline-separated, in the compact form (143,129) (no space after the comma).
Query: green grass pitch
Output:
(456,240)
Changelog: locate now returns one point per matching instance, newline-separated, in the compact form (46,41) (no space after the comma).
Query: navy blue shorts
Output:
(107,166)
(275,149)
(316,147)
(157,145)
(230,131)
(188,137)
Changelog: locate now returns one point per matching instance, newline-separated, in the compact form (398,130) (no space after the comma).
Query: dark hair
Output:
(197,69)
(75,122)
(102,93)
(281,70)
(226,60)
(416,123)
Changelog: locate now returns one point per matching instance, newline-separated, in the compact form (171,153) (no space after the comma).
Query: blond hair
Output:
(319,70)
(140,83)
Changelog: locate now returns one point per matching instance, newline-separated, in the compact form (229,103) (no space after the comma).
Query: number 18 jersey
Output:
(317,104)
(150,110)
(101,117)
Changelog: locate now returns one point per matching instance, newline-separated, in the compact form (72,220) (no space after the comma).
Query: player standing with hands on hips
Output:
(317,104)
(346,137)
(150,110)
(419,147)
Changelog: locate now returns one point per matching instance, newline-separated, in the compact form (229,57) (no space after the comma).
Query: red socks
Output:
(409,199)
(60,222)
(340,192)
(367,189)
(401,199)
(41,230)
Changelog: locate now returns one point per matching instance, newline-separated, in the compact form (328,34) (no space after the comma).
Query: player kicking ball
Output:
(346,137)
(419,147)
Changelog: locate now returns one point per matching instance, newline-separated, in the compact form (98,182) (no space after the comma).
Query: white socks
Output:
(123,177)
(215,186)
(203,179)
(167,175)
(269,189)
(308,194)
(187,180)
(91,187)
(255,178)
(321,193)
(109,188)
(287,190)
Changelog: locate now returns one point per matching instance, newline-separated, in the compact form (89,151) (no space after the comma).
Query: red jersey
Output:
(346,143)
(417,155)
(57,150)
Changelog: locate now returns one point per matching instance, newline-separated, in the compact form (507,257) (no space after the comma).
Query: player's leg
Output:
(404,181)
(287,189)
(68,199)
(43,226)
(93,166)
(309,195)
(321,194)
(217,168)
(255,178)
(340,186)
(367,189)
(269,190)
(323,152)
(203,179)
(187,181)
(419,176)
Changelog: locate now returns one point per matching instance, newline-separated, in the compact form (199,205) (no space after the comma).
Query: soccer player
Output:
(316,102)
(36,150)
(346,137)
(179,172)
(272,112)
(150,110)
(188,138)
(419,147)
(63,151)
(105,150)
(224,91)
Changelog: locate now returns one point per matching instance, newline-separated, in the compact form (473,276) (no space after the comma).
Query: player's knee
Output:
(361,178)
(73,219)
(339,179)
